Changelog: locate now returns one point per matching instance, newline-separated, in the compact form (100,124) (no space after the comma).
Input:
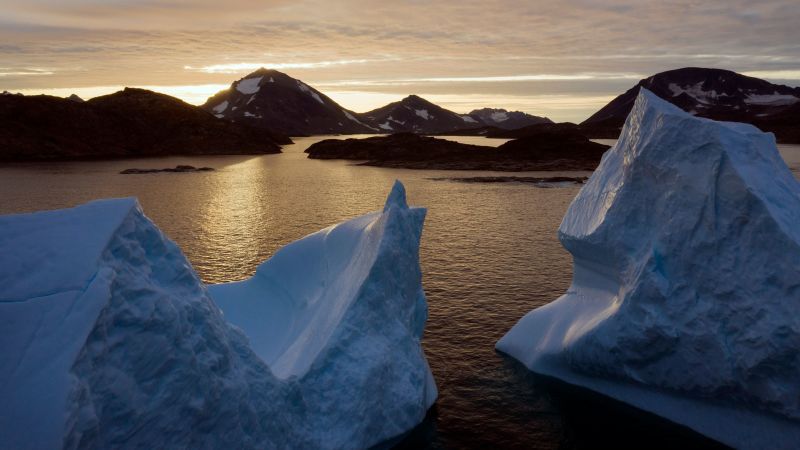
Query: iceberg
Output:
(685,298)
(110,339)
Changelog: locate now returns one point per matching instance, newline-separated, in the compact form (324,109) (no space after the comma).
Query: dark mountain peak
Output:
(717,94)
(75,98)
(143,98)
(416,115)
(261,71)
(488,110)
(267,76)
(413,98)
(129,123)
(271,99)
(417,101)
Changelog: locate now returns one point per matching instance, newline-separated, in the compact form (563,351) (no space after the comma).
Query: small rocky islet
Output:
(176,169)
(545,151)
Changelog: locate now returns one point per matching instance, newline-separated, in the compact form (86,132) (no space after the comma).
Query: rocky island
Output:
(562,150)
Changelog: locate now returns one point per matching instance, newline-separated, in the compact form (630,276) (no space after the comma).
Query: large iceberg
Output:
(685,298)
(109,338)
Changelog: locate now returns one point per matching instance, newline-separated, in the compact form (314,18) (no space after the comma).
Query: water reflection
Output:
(489,255)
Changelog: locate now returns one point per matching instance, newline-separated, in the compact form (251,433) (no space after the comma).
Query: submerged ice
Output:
(111,340)
(685,299)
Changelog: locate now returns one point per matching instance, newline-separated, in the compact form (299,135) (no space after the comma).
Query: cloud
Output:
(775,74)
(8,72)
(232,68)
(485,79)
(472,46)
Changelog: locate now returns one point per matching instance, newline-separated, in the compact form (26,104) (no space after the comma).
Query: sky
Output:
(561,59)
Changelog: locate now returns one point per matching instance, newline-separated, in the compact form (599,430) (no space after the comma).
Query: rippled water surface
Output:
(489,255)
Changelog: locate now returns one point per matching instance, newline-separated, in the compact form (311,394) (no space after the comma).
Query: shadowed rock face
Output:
(553,151)
(273,100)
(129,123)
(712,93)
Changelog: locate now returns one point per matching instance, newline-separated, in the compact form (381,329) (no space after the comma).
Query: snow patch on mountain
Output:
(249,85)
(696,91)
(771,99)
(221,107)
(468,119)
(423,113)
(310,92)
(499,116)
(386,126)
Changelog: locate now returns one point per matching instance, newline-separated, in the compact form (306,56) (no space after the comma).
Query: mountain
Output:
(509,120)
(273,100)
(712,93)
(129,123)
(416,115)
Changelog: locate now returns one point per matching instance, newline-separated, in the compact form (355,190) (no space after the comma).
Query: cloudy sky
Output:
(563,59)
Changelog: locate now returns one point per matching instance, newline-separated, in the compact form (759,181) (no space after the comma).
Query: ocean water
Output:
(489,254)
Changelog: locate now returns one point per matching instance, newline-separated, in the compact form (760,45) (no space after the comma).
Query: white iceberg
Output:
(685,298)
(109,338)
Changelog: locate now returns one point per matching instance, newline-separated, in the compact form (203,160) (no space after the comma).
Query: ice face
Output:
(110,339)
(686,279)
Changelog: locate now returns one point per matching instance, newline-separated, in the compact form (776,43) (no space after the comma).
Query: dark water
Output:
(489,255)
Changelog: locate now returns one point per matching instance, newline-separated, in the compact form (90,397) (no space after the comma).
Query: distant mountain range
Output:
(259,111)
(129,123)
(713,93)
(274,100)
